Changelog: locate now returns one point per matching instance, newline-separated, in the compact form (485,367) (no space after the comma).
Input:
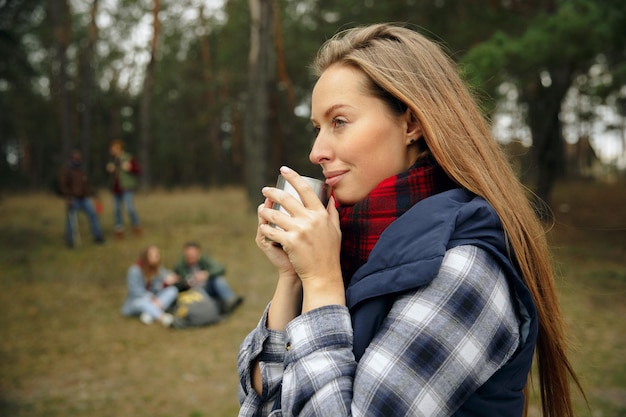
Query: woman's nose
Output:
(320,152)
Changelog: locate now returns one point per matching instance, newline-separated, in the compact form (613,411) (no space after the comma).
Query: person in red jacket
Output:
(124,171)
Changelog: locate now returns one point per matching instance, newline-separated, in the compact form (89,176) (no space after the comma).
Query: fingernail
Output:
(285,169)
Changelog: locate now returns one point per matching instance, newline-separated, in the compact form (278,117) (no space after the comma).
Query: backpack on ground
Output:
(195,308)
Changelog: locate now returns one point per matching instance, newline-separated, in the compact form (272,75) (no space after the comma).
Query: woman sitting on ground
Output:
(150,288)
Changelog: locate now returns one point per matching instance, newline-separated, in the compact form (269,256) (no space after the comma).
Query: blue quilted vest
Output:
(409,254)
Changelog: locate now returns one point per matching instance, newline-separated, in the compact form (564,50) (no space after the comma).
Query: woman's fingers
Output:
(308,197)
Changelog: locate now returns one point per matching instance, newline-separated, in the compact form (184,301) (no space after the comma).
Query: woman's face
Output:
(115,149)
(153,256)
(360,141)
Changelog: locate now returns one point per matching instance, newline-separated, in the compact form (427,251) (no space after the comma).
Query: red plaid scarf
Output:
(363,223)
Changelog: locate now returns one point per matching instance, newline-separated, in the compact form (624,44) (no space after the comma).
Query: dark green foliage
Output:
(201,81)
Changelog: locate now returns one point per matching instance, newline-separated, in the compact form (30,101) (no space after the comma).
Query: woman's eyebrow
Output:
(332,109)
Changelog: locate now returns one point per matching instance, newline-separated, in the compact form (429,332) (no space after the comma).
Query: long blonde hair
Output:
(415,71)
(148,269)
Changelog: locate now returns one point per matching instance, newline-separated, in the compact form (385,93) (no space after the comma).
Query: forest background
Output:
(212,97)
(209,93)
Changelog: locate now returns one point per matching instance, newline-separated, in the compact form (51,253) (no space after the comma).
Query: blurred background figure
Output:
(75,188)
(123,170)
(196,269)
(150,289)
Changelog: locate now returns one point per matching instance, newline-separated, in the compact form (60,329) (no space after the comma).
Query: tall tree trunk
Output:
(88,86)
(236,133)
(257,127)
(212,116)
(59,13)
(145,144)
(283,76)
(544,107)
(114,108)
(283,127)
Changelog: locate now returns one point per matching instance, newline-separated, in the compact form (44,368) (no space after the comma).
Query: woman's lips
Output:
(332,178)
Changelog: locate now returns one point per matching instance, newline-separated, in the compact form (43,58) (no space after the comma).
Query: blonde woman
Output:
(425,287)
(151,289)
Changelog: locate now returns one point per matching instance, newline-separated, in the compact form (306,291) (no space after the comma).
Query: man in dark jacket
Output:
(198,270)
(77,191)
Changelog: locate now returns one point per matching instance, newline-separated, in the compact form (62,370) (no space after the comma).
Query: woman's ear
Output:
(413,128)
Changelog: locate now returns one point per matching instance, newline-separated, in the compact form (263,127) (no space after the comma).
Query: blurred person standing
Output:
(75,187)
(123,170)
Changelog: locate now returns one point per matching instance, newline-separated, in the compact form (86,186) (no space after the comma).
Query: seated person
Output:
(197,269)
(150,289)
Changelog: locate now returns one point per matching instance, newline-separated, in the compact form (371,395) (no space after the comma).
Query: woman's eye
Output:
(338,122)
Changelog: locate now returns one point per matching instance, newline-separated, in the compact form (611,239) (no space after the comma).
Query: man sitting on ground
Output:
(197,269)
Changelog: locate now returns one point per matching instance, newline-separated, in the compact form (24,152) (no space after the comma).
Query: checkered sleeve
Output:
(438,345)
(435,348)
(267,347)
(319,364)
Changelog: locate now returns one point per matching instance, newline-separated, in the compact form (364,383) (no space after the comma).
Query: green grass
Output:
(66,351)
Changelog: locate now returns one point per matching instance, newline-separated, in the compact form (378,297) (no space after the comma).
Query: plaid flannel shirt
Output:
(435,348)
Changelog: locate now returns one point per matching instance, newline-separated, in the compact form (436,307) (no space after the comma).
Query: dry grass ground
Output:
(589,245)
(66,351)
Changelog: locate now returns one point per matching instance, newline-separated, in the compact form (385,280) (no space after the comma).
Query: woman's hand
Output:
(170,279)
(310,238)
(200,277)
(272,250)
(157,302)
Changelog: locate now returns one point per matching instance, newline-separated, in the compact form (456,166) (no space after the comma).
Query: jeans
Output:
(217,287)
(145,305)
(85,205)
(125,198)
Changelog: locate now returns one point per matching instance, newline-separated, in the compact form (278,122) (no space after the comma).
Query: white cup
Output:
(319,187)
